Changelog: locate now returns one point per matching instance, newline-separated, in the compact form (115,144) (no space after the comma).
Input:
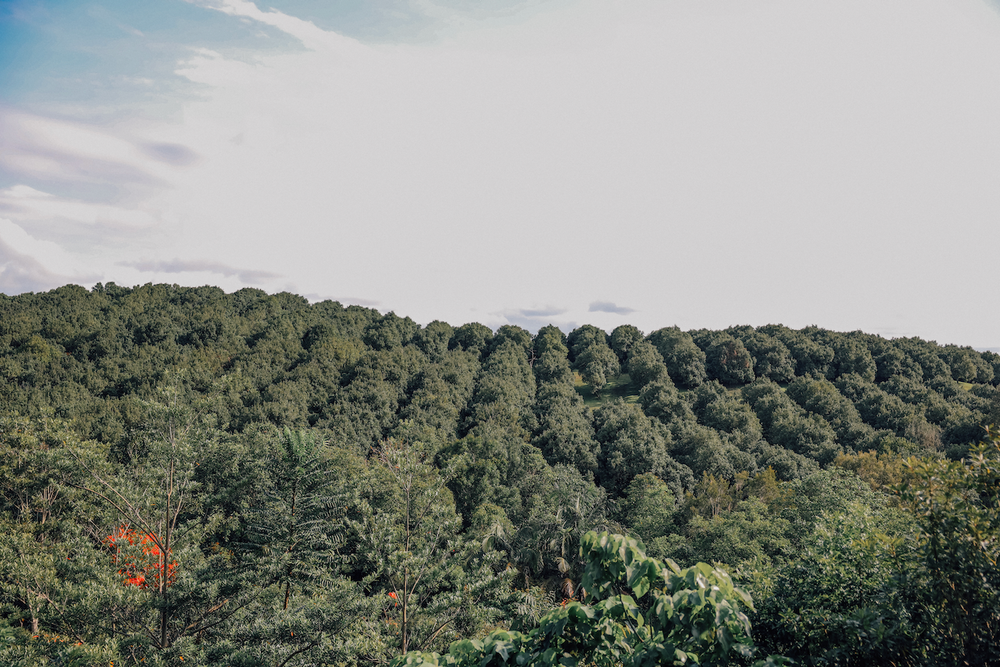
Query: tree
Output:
(726,359)
(692,616)
(703,449)
(159,497)
(597,364)
(729,414)
(623,338)
(812,357)
(502,404)
(434,338)
(743,533)
(772,358)
(891,361)
(501,470)
(685,361)
(953,576)
(645,365)
(563,505)
(297,523)
(473,336)
(877,407)
(512,334)
(366,407)
(992,359)
(851,356)
(565,434)
(835,602)
(660,400)
(648,507)
(591,356)
(390,332)
(582,338)
(434,580)
(439,394)
(630,445)
(820,396)
(789,426)
(550,339)
(45,555)
(552,367)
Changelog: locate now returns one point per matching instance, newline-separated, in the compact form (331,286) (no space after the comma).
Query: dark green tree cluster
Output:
(252,479)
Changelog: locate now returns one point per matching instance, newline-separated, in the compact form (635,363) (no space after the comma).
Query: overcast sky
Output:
(702,163)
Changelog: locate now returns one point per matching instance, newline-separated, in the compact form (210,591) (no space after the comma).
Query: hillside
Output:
(298,442)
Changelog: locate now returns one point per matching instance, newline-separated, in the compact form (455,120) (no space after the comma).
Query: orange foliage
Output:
(146,570)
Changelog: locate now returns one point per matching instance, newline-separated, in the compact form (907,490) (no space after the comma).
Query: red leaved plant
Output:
(143,570)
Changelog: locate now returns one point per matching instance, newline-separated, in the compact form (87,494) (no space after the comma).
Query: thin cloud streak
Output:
(197,266)
(609,307)
(541,312)
(25,203)
(172,154)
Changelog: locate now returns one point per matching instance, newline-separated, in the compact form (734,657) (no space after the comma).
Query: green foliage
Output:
(473,337)
(390,332)
(821,397)
(623,339)
(788,426)
(439,394)
(299,516)
(772,359)
(550,339)
(592,357)
(685,361)
(630,445)
(836,603)
(691,616)
(433,339)
(513,335)
(993,360)
(953,575)
(565,434)
(966,364)
(563,506)
(597,364)
(162,410)
(645,365)
(583,337)
(726,358)
(812,357)
(499,471)
(851,356)
(503,401)
(892,361)
(434,581)
(647,508)
(660,400)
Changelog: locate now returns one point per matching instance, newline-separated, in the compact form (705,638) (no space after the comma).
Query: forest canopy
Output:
(249,478)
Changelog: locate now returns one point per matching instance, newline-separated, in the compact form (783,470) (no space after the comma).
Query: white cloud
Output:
(306,31)
(707,164)
(51,257)
(27,203)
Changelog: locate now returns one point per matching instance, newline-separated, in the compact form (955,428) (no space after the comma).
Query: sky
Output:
(699,163)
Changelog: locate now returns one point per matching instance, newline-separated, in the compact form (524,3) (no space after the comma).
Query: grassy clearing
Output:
(619,387)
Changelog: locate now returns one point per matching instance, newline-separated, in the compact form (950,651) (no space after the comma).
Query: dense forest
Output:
(195,477)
